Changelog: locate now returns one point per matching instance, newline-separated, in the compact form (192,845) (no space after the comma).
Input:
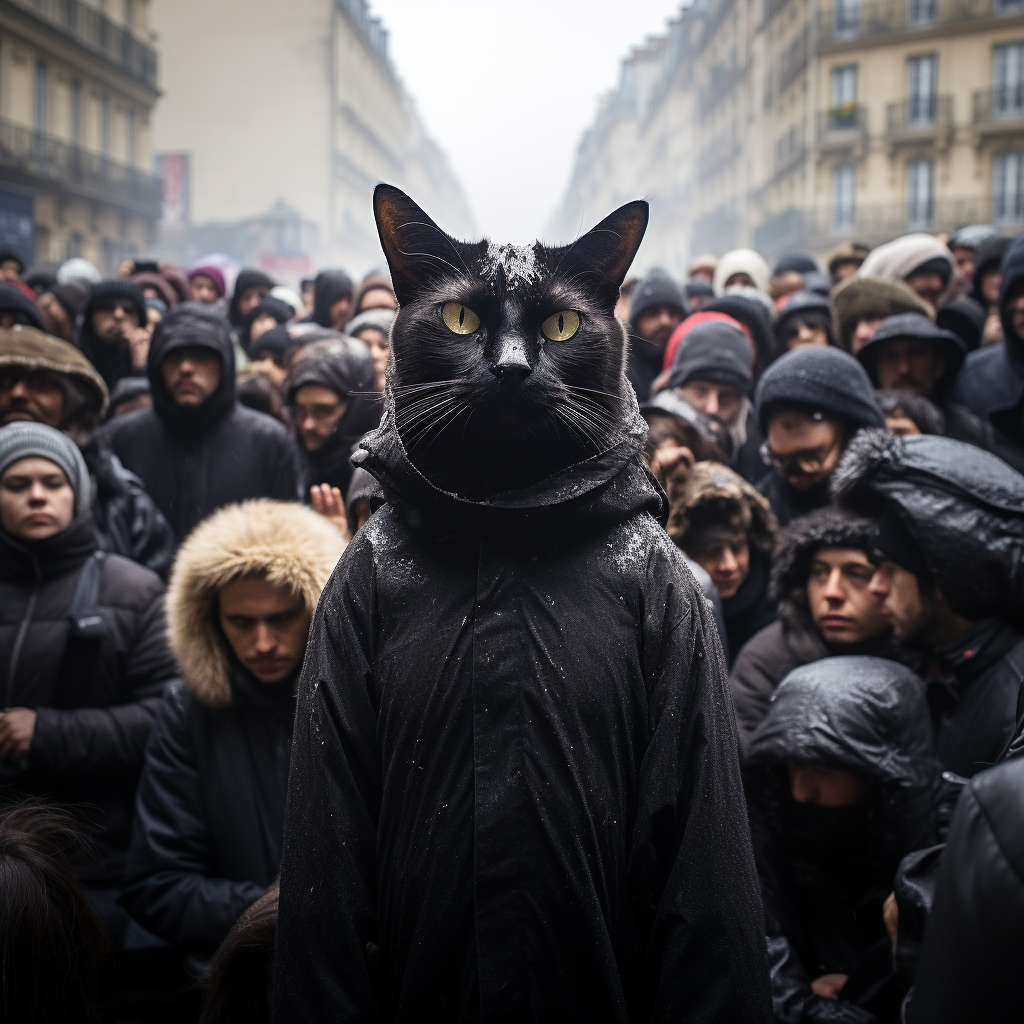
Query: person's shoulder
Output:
(999,792)
(259,423)
(766,647)
(129,423)
(128,584)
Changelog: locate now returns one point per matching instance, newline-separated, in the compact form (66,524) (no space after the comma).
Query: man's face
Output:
(910,612)
(1015,306)
(203,290)
(32,395)
(191,374)
(927,283)
(804,450)
(266,626)
(657,323)
(727,563)
(965,263)
(115,323)
(60,323)
(263,323)
(340,311)
(317,411)
(910,364)
(721,400)
(847,268)
(251,298)
(990,285)
(864,332)
(806,334)
(9,270)
(841,604)
(823,786)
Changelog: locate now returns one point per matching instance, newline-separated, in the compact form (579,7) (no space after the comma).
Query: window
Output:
(920,193)
(1007,191)
(129,137)
(129,14)
(922,98)
(1008,80)
(847,17)
(105,125)
(41,97)
(842,112)
(921,12)
(844,184)
(75,101)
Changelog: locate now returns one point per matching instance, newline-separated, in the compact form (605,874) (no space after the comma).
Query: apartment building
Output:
(78,82)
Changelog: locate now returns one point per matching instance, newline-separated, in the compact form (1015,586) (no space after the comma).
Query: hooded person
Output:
(207,286)
(328,392)
(964,244)
(951,540)
(82,642)
(113,315)
(267,314)
(375,291)
(45,380)
(845,260)
(155,286)
(862,303)
(740,268)
(840,778)
(965,318)
(921,261)
(657,307)
(332,299)
(809,405)
(728,529)
(80,272)
(197,448)
(805,319)
(61,306)
(821,571)
(510,571)
(985,285)
(755,319)
(251,288)
(373,327)
(210,811)
(18,308)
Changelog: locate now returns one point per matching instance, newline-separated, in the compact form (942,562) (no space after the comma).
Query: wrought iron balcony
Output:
(843,127)
(1000,110)
(842,20)
(96,33)
(919,118)
(37,158)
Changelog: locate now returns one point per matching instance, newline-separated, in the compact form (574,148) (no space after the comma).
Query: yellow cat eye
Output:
(459,319)
(561,326)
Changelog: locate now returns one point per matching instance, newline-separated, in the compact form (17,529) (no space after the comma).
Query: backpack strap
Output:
(89,625)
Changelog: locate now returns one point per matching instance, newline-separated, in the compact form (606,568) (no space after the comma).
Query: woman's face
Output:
(36,500)
(380,349)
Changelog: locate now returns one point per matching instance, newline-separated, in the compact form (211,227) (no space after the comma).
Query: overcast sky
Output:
(506,89)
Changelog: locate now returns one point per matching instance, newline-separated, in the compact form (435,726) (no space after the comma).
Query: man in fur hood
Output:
(210,813)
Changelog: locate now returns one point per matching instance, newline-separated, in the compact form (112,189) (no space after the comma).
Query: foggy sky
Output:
(507,88)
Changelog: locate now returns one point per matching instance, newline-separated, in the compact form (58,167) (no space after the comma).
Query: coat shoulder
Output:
(128,584)
(259,423)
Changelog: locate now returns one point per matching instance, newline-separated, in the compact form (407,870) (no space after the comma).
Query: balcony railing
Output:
(38,157)
(97,33)
(854,19)
(919,117)
(999,109)
(842,126)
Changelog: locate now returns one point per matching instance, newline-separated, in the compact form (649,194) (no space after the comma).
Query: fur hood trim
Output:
(871,298)
(287,543)
(867,451)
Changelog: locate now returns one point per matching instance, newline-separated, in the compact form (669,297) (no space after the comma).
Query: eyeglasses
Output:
(803,463)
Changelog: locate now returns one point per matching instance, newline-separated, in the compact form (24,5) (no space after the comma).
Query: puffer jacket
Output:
(825,872)
(95,695)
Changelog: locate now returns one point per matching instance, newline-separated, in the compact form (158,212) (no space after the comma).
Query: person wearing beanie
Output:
(805,319)
(251,288)
(82,642)
(987,276)
(80,272)
(210,812)
(950,533)
(332,299)
(206,285)
(373,328)
(197,449)
(964,245)
(966,319)
(113,333)
(375,292)
(742,268)
(921,261)
(862,303)
(809,405)
(45,380)
(61,305)
(698,294)
(657,307)
(702,268)
(845,260)
(156,286)
(129,394)
(790,274)
(17,308)
(267,314)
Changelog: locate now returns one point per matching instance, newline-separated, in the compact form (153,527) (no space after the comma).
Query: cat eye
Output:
(561,326)
(459,319)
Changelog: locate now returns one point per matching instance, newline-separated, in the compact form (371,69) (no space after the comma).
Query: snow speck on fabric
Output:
(519,263)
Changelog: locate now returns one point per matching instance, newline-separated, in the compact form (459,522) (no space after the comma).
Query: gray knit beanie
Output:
(379,319)
(28,440)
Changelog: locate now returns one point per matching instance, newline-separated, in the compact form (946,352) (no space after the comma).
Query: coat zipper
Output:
(22,631)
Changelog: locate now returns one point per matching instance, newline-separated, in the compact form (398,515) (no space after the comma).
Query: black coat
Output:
(210,813)
(92,726)
(750,609)
(194,460)
(789,503)
(515,769)
(974,943)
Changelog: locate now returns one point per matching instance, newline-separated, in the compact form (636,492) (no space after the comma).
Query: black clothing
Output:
(195,459)
(788,502)
(330,287)
(750,609)
(965,318)
(656,288)
(112,359)
(210,814)
(276,308)
(825,872)
(975,938)
(514,767)
(13,300)
(806,306)
(643,365)
(94,697)
(988,257)
(753,315)
(248,278)
(717,352)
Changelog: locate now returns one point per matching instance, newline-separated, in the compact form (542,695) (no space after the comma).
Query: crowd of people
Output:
(841,448)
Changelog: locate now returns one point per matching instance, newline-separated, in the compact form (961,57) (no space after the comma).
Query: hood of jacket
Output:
(864,715)
(898,259)
(289,544)
(872,298)
(1013,274)
(963,507)
(191,324)
(330,287)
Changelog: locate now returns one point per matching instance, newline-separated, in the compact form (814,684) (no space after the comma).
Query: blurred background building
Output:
(795,124)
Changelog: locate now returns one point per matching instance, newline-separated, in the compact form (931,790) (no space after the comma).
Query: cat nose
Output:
(510,360)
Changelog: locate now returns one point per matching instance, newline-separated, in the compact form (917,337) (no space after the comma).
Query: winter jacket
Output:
(788,502)
(825,872)
(196,459)
(973,945)
(210,811)
(514,768)
(95,688)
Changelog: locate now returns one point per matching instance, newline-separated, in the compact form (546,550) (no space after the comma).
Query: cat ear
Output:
(607,250)
(417,250)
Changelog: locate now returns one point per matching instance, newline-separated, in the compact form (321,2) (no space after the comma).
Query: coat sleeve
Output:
(692,864)
(111,741)
(328,873)
(170,885)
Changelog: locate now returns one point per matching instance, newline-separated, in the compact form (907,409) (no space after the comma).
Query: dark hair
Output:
(667,426)
(922,413)
(240,983)
(51,941)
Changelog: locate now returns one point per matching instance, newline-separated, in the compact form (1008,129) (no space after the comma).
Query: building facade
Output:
(78,82)
(278,120)
(818,121)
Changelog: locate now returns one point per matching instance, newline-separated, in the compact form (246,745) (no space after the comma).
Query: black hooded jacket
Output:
(195,459)
(94,695)
(330,287)
(111,359)
(514,767)
(825,872)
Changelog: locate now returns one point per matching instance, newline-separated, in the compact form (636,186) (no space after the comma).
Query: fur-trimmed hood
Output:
(872,298)
(287,543)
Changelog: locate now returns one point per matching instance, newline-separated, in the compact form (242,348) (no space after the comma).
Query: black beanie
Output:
(106,293)
(799,262)
(895,542)
(717,352)
(12,300)
(653,290)
(820,378)
(936,266)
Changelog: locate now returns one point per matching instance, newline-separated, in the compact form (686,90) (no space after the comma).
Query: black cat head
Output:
(507,361)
